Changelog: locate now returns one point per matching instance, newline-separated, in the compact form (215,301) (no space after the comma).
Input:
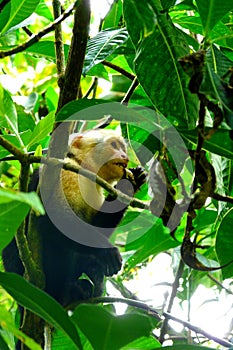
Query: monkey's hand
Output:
(135,177)
(110,260)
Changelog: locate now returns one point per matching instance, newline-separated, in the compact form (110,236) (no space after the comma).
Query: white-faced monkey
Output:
(65,259)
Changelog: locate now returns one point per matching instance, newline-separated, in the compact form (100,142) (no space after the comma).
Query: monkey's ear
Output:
(76,140)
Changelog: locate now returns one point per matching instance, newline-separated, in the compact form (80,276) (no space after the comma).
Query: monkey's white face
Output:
(103,152)
(111,159)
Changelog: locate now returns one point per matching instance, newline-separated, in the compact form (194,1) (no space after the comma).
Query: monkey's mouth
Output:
(122,165)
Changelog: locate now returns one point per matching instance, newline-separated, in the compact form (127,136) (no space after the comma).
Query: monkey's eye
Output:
(114,144)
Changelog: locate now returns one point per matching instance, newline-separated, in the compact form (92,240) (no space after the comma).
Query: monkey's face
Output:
(111,159)
(103,152)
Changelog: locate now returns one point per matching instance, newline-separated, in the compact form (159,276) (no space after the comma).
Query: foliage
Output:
(171,63)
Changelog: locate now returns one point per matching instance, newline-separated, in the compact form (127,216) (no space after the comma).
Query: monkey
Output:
(65,259)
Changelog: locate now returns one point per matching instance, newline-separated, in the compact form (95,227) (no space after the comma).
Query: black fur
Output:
(64,260)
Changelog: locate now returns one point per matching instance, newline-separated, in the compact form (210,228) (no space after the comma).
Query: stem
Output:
(118,69)
(130,92)
(175,287)
(60,55)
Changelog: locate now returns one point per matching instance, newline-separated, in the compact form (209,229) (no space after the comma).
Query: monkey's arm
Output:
(112,210)
(110,215)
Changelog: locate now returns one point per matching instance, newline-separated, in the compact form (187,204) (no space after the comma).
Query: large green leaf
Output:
(186,347)
(9,325)
(103,45)
(113,17)
(8,113)
(217,66)
(159,45)
(20,10)
(4,15)
(42,129)
(156,240)
(15,205)
(41,303)
(220,143)
(46,49)
(224,243)
(106,331)
(212,11)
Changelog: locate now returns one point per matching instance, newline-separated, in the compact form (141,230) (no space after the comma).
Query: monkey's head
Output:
(101,151)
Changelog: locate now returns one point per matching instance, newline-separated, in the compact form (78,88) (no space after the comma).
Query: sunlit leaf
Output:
(159,45)
(103,329)
(8,114)
(42,129)
(20,10)
(212,11)
(15,205)
(103,45)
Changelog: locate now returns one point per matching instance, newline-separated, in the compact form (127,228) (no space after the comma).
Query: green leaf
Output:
(15,205)
(159,45)
(224,243)
(20,10)
(43,10)
(103,45)
(4,16)
(8,325)
(45,48)
(94,109)
(220,143)
(156,240)
(186,347)
(106,331)
(193,23)
(31,199)
(8,114)
(113,16)
(212,11)
(41,303)
(42,129)
(8,227)
(143,343)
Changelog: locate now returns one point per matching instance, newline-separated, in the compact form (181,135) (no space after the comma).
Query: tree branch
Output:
(54,162)
(118,69)
(72,77)
(130,92)
(59,47)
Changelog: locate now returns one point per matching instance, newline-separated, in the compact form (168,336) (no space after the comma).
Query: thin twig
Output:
(130,92)
(18,154)
(118,69)
(219,283)
(175,287)
(36,37)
